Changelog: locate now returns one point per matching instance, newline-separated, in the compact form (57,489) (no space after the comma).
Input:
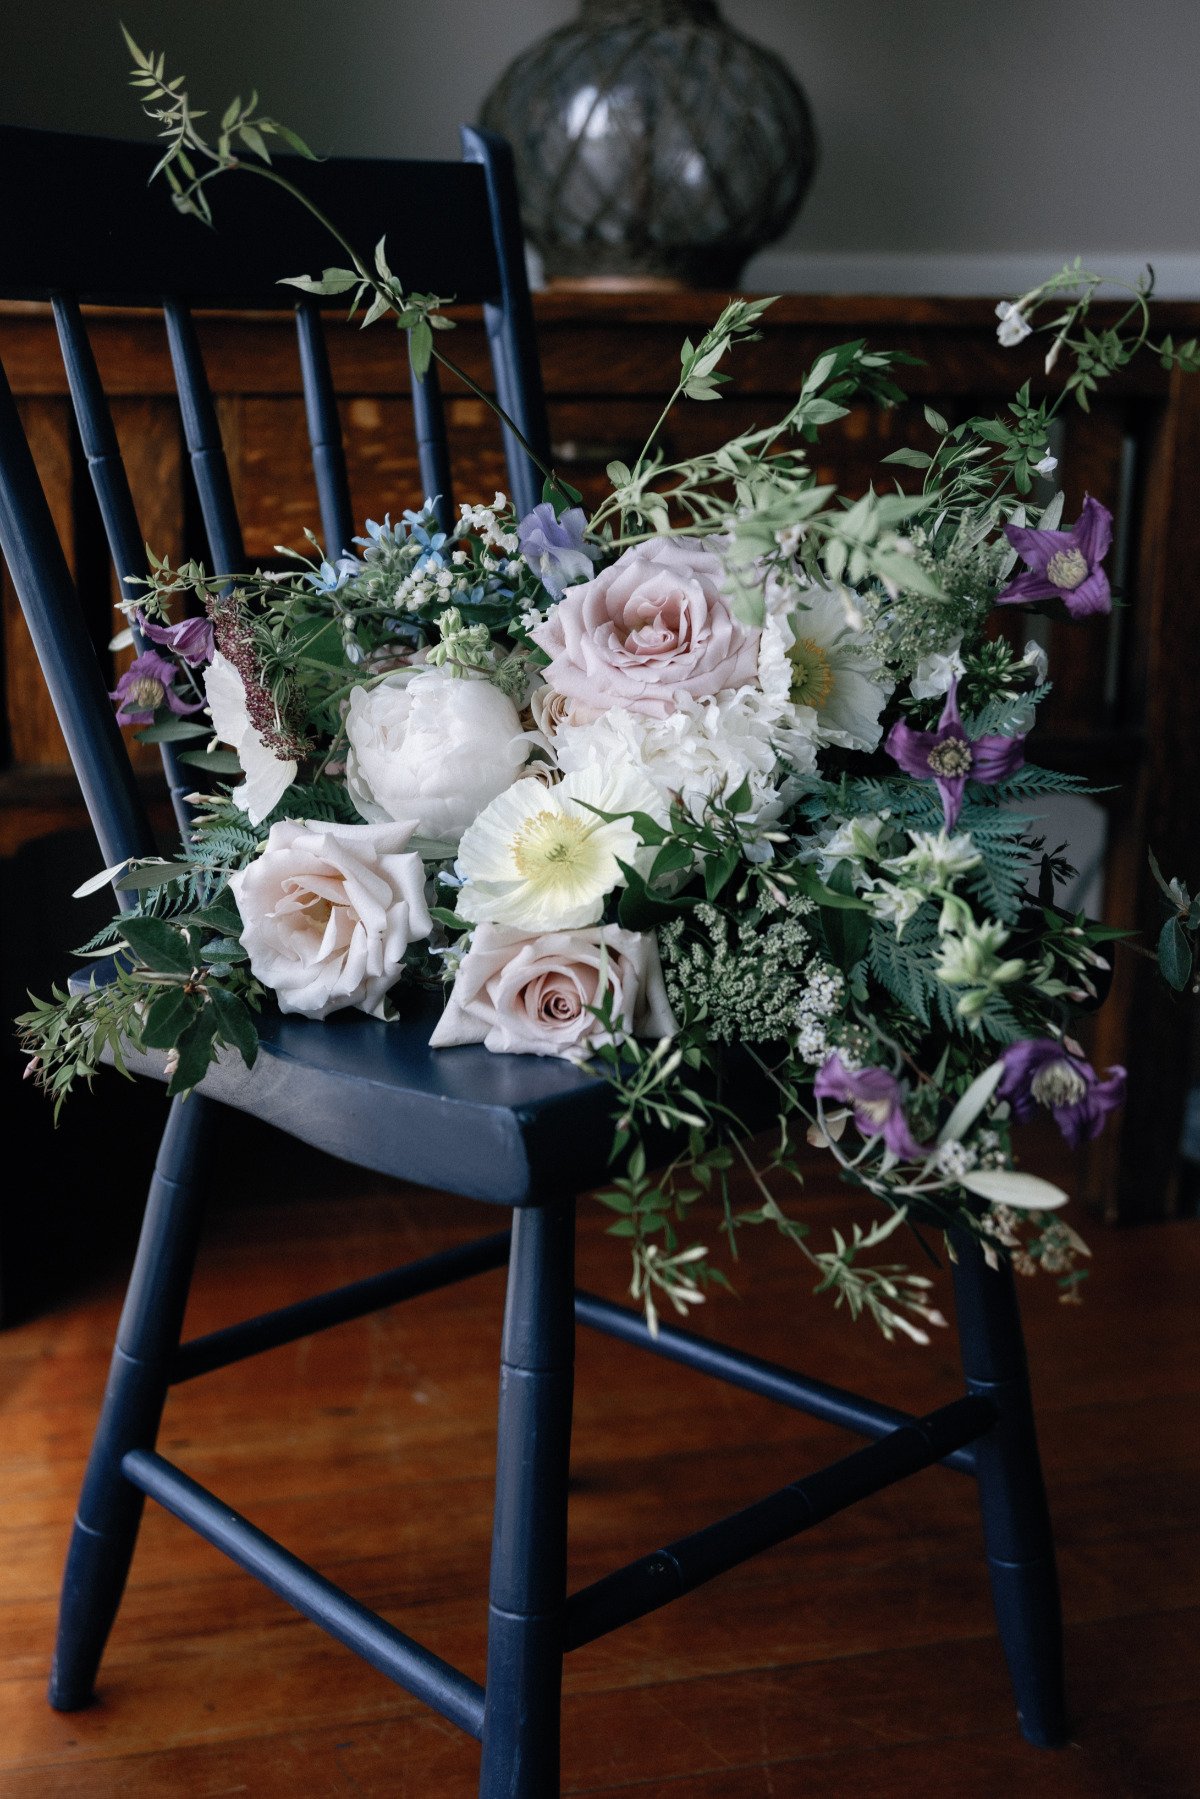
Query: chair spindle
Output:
(94,418)
(433,454)
(67,655)
(203,436)
(324,432)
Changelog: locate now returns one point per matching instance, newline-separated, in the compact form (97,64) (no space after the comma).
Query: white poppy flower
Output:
(837,686)
(268,776)
(542,859)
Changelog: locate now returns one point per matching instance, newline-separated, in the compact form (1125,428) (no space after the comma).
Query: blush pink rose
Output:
(655,625)
(532,995)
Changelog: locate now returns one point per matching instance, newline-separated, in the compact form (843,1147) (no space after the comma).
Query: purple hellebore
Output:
(949,757)
(1043,1072)
(1064,565)
(554,547)
(147,684)
(191,641)
(876,1099)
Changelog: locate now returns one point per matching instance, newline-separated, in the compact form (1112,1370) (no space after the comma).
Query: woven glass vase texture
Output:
(651,139)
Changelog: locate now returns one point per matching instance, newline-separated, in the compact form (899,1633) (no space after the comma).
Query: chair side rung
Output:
(404,1661)
(654,1580)
(270,1330)
(834,1405)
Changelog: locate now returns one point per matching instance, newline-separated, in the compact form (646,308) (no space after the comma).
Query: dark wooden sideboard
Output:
(1125,691)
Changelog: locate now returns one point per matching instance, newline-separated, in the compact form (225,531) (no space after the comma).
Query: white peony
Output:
(431,750)
(829,683)
(537,995)
(542,859)
(268,776)
(329,911)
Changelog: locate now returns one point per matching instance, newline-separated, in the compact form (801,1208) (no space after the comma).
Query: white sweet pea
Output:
(328,912)
(1048,463)
(1014,327)
(268,775)
(537,996)
(936,674)
(1036,659)
(430,750)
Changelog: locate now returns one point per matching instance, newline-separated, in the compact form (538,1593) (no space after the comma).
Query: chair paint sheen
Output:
(527,1133)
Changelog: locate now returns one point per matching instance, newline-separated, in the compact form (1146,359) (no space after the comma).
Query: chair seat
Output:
(515,1130)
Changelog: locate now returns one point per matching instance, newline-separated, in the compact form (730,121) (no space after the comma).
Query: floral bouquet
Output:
(731,774)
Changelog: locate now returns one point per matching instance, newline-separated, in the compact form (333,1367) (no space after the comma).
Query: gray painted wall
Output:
(966,145)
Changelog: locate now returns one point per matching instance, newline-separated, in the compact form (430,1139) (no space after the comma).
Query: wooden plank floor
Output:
(860,1660)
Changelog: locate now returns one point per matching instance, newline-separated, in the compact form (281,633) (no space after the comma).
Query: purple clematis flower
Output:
(951,758)
(1064,565)
(1043,1072)
(876,1099)
(554,547)
(147,684)
(192,641)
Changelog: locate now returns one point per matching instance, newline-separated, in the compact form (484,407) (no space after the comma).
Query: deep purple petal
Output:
(951,789)
(1092,532)
(832,1080)
(191,640)
(899,1139)
(180,706)
(1091,596)
(911,749)
(1029,585)
(950,724)
(994,758)
(1037,547)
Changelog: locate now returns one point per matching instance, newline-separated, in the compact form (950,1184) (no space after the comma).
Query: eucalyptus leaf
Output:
(1005,1187)
(971,1104)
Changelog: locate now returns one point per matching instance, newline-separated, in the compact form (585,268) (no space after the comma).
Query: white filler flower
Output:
(430,750)
(268,776)
(542,859)
(329,911)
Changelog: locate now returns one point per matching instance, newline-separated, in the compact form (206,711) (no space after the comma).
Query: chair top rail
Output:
(77,216)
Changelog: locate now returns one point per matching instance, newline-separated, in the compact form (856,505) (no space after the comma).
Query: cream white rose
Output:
(533,995)
(268,776)
(328,912)
(431,750)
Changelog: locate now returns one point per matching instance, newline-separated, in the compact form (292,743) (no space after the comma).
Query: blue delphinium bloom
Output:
(554,547)
(331,577)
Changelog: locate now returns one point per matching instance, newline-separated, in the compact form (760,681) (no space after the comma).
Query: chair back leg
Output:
(1016,1519)
(527,1592)
(110,1509)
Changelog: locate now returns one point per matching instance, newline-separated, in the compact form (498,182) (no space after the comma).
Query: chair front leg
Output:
(110,1509)
(1016,1520)
(529,1535)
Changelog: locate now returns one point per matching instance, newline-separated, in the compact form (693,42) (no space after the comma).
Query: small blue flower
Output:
(331,577)
(554,547)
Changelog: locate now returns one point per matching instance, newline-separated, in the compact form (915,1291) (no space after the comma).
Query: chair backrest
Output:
(78,223)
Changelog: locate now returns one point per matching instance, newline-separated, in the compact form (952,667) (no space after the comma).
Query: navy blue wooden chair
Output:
(523,1133)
